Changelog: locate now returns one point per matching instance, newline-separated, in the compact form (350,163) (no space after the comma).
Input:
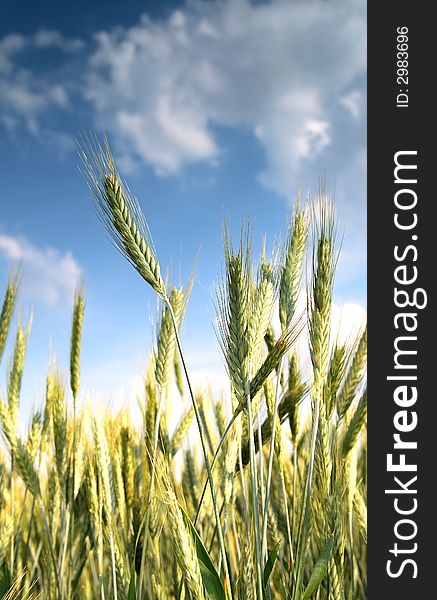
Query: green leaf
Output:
(319,571)
(5,580)
(132,593)
(211,580)
(273,555)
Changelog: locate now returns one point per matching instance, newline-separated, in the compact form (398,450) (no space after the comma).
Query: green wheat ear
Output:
(325,256)
(120,212)
(291,271)
(17,368)
(7,311)
(233,302)
(76,338)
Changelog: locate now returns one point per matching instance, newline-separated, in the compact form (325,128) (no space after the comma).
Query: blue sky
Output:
(213,109)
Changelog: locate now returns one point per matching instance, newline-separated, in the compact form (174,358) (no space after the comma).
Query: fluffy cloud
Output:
(25,96)
(353,101)
(49,276)
(289,72)
(282,70)
(49,38)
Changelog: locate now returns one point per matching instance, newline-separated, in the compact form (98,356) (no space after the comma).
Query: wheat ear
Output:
(291,271)
(354,376)
(7,311)
(76,338)
(125,223)
(121,213)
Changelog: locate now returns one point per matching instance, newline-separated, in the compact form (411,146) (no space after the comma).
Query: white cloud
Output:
(278,69)
(49,276)
(287,71)
(26,96)
(354,103)
(49,38)
(9,46)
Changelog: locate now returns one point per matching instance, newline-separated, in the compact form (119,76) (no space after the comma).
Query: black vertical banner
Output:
(402,361)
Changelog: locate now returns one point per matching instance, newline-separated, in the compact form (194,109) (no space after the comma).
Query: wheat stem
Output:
(205,455)
(254,496)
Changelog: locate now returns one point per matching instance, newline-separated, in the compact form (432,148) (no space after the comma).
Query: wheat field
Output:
(260,496)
